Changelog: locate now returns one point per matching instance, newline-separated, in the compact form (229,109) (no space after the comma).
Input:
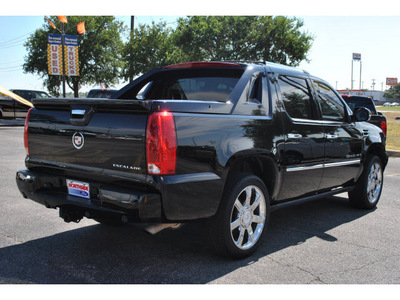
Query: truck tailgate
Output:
(96,133)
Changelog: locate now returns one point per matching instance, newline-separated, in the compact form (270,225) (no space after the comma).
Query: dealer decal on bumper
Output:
(78,188)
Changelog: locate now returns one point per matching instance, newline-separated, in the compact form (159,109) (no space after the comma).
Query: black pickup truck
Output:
(219,142)
(10,108)
(377,118)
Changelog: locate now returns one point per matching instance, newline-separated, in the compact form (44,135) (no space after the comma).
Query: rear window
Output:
(100,94)
(355,102)
(201,88)
(209,84)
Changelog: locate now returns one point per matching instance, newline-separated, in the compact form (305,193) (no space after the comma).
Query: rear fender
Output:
(259,163)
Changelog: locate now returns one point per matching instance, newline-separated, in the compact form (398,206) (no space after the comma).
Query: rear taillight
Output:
(161,144)
(384,127)
(26,144)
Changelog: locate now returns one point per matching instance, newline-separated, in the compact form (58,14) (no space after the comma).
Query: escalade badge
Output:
(78,140)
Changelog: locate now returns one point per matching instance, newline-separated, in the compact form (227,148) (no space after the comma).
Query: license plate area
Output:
(78,188)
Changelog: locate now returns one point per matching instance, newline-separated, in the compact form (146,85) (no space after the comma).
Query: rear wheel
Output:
(369,186)
(242,218)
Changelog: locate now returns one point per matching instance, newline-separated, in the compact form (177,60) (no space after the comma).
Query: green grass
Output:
(393,128)
(388,108)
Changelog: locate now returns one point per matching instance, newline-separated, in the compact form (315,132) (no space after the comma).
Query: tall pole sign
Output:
(356,57)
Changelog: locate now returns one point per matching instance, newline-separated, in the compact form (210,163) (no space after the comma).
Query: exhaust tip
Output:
(156,228)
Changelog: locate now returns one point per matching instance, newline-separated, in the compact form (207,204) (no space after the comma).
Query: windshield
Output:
(41,95)
(29,95)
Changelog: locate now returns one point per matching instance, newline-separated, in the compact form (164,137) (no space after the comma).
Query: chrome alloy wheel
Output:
(248,217)
(374,183)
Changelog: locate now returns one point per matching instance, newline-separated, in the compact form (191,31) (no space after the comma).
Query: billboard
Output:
(356,56)
(391,81)
(55,55)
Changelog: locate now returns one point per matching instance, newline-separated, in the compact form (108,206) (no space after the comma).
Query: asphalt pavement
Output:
(319,242)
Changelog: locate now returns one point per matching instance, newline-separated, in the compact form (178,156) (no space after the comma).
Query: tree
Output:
(149,47)
(393,92)
(99,52)
(277,39)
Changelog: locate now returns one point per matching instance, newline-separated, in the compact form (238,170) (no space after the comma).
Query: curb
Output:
(12,122)
(393,153)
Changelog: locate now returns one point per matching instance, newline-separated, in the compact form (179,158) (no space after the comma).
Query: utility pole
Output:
(351,90)
(356,56)
(131,50)
(373,84)
(360,76)
(63,57)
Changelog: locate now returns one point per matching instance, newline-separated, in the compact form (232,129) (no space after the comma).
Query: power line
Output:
(17,38)
(11,46)
(6,68)
(11,62)
(11,70)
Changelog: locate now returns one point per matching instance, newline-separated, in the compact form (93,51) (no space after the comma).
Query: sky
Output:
(341,29)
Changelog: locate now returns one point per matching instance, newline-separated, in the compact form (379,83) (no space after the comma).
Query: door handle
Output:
(294,136)
(331,136)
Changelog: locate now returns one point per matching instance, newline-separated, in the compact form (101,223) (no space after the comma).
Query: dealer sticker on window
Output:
(78,188)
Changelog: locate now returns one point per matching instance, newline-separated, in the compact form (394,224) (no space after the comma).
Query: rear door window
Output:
(296,95)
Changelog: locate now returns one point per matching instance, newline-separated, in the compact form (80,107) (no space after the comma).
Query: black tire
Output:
(368,188)
(240,223)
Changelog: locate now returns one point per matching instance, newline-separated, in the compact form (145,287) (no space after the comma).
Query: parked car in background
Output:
(10,108)
(101,93)
(377,118)
(394,104)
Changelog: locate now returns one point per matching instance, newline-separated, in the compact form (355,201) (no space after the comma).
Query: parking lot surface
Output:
(319,242)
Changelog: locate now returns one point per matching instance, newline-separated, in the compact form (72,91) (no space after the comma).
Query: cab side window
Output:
(256,90)
(332,108)
(296,95)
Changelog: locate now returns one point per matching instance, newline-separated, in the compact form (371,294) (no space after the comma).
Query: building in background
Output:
(377,96)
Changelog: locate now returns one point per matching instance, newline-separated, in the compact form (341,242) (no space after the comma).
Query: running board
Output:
(333,192)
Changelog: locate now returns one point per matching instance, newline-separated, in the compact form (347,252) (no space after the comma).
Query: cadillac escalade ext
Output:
(219,142)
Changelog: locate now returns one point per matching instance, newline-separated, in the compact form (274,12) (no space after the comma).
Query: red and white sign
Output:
(78,188)
(356,56)
(391,81)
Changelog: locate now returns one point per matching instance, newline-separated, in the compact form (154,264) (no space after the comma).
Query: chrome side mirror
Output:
(361,114)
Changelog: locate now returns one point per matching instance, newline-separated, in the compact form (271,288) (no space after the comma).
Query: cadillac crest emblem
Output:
(78,140)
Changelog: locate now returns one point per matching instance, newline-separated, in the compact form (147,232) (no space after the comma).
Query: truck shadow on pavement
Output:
(103,254)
